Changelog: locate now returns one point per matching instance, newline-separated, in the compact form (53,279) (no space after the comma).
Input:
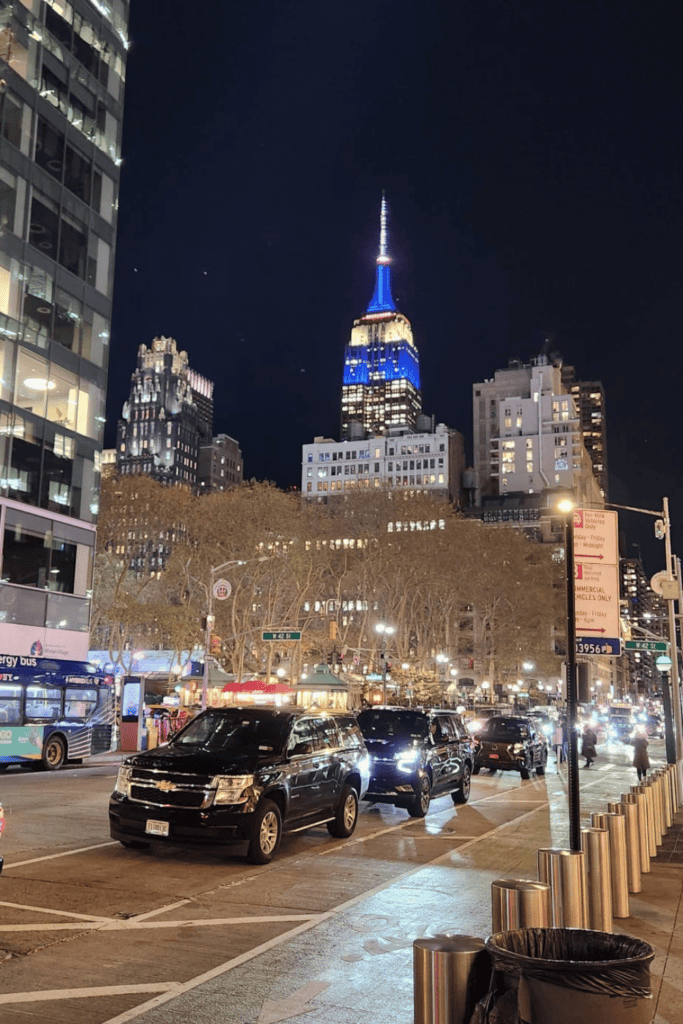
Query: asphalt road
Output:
(92,932)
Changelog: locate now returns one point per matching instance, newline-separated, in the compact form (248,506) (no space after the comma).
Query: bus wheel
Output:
(54,754)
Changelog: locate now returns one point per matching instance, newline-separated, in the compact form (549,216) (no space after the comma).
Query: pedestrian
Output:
(588,740)
(558,744)
(641,762)
(565,738)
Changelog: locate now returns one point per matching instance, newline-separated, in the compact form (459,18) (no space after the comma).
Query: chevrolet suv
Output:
(416,755)
(243,775)
(511,743)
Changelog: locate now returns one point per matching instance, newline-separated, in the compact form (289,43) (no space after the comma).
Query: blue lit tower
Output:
(381,388)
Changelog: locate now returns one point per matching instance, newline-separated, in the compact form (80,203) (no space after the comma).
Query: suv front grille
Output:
(170,789)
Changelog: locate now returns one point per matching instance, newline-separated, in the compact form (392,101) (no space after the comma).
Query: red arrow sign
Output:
(588,629)
(588,556)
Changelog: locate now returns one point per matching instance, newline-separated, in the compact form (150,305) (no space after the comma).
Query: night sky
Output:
(531,157)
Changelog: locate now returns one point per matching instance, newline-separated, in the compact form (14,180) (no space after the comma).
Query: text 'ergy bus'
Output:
(52,711)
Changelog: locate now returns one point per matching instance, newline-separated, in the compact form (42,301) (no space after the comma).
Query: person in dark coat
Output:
(641,762)
(588,741)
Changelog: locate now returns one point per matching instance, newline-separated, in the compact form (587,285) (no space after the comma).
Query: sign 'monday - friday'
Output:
(596,573)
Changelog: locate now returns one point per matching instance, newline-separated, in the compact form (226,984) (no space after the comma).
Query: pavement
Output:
(354,963)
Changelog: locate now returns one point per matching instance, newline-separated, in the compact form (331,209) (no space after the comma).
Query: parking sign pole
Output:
(573,793)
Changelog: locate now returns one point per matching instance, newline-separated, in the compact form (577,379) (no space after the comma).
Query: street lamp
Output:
(384,632)
(663,663)
(485,687)
(442,660)
(222,591)
(566,506)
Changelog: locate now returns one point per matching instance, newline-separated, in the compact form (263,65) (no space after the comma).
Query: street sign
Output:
(222,590)
(610,646)
(281,634)
(596,581)
(647,645)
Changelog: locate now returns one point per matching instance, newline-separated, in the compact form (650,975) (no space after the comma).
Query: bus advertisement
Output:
(53,711)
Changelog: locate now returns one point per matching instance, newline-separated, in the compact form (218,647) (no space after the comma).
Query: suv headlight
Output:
(123,781)
(407,759)
(518,748)
(232,789)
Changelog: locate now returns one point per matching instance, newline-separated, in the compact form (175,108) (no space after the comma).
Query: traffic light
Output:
(216,644)
(660,529)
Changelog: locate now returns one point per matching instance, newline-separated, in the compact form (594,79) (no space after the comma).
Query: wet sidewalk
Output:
(353,963)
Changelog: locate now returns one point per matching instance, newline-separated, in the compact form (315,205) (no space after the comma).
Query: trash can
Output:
(573,975)
(451,973)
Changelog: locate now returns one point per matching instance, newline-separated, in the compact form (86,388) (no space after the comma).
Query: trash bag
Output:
(609,975)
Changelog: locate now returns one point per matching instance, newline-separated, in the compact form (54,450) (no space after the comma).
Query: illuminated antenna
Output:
(383,256)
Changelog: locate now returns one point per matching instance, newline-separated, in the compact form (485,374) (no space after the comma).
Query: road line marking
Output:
(131,924)
(216,972)
(55,856)
(58,913)
(162,910)
(85,993)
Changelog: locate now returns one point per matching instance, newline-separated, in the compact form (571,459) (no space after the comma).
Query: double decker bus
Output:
(52,711)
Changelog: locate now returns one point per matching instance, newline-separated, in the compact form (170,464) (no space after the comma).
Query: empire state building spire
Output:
(381,383)
(382,301)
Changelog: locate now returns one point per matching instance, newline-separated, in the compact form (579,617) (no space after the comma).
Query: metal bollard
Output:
(650,811)
(616,828)
(565,872)
(655,785)
(644,845)
(673,780)
(665,776)
(519,903)
(630,814)
(595,843)
(677,790)
(451,973)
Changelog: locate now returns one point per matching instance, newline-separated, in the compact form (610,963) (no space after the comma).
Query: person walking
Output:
(588,740)
(641,762)
(558,744)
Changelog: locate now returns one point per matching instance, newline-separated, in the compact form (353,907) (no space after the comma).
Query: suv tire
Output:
(544,760)
(344,823)
(267,833)
(476,769)
(462,794)
(525,773)
(419,805)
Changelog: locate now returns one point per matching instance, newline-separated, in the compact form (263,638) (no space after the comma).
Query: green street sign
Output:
(282,634)
(646,645)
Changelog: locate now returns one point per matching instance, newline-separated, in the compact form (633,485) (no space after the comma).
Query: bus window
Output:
(10,704)
(79,703)
(43,703)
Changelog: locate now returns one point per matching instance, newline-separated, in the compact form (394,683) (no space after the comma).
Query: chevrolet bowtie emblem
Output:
(166,787)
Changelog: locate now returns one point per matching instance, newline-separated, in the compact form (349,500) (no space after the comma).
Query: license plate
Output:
(494,756)
(156,828)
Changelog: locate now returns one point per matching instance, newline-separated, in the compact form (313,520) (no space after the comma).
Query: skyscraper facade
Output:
(62,66)
(169,412)
(381,384)
(589,399)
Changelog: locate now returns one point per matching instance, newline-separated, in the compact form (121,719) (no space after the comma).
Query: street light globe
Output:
(454,671)
(527,666)
(382,628)
(485,685)
(565,505)
(405,666)
(280,672)
(443,658)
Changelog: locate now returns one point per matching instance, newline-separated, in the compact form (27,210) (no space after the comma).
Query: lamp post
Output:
(567,507)
(442,660)
(485,687)
(384,632)
(664,663)
(224,591)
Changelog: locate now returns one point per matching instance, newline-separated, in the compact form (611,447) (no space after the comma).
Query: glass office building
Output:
(62,65)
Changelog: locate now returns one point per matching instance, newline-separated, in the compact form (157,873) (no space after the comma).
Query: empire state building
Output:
(381,387)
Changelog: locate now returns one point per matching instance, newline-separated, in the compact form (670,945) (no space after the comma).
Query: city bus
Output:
(52,711)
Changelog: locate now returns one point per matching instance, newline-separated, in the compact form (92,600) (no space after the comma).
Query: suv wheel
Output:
(462,794)
(476,769)
(525,773)
(544,760)
(346,815)
(419,806)
(267,832)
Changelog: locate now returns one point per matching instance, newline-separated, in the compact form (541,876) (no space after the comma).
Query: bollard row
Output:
(590,887)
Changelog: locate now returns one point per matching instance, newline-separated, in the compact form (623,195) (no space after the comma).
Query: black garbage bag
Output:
(608,975)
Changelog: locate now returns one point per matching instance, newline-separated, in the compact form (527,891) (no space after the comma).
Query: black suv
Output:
(243,775)
(511,743)
(415,755)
